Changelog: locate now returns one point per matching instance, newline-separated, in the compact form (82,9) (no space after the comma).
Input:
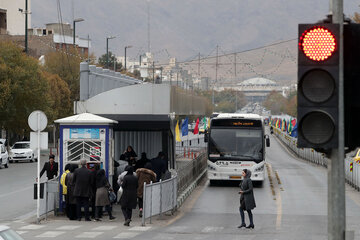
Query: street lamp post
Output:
(125,55)
(107,50)
(75,21)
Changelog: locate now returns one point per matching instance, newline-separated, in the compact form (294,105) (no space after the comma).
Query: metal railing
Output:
(51,197)
(159,198)
(309,154)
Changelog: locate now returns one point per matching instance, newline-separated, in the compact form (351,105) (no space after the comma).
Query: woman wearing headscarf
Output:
(69,182)
(129,195)
(247,200)
(129,155)
(102,195)
(144,175)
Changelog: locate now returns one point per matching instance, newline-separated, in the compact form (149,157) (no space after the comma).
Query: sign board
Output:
(43,140)
(37,121)
(84,133)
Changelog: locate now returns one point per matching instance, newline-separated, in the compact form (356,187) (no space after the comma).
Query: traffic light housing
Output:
(318,85)
(352,85)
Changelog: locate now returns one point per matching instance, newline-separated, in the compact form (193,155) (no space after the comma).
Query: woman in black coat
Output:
(247,200)
(129,197)
(102,195)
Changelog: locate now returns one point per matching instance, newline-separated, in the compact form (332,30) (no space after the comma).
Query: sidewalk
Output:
(59,227)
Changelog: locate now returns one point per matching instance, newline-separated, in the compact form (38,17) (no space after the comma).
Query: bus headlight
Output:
(211,168)
(259,169)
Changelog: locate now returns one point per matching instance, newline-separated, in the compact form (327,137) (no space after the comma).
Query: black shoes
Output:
(111,218)
(87,220)
(250,226)
(242,225)
(127,222)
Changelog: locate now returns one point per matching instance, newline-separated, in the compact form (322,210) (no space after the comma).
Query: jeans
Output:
(242,214)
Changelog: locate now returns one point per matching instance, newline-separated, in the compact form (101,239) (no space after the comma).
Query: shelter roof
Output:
(85,118)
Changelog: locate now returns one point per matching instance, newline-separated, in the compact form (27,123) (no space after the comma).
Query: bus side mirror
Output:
(206,137)
(267,140)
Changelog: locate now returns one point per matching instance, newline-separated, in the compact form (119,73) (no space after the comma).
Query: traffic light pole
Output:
(336,173)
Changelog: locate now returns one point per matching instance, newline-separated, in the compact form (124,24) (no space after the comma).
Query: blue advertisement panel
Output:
(84,133)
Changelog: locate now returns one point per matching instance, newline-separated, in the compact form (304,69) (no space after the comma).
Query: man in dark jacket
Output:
(128,198)
(158,165)
(82,191)
(50,167)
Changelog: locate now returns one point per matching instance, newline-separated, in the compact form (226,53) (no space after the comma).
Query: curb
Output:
(187,192)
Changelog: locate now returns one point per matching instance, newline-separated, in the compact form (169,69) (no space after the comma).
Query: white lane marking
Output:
(209,229)
(21,232)
(50,234)
(68,227)
(104,228)
(126,235)
(17,191)
(89,234)
(31,227)
(139,228)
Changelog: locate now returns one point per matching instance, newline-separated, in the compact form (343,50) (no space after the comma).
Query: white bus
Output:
(236,142)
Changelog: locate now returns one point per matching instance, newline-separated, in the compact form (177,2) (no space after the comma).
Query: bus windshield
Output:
(236,144)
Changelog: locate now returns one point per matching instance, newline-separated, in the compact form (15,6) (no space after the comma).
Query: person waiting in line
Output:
(142,161)
(69,182)
(158,165)
(247,200)
(129,195)
(64,187)
(129,155)
(144,175)
(82,191)
(102,195)
(51,168)
(121,179)
(94,168)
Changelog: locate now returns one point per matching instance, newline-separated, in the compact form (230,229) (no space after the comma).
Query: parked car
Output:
(4,156)
(6,233)
(21,151)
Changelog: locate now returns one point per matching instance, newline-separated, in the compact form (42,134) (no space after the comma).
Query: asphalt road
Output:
(295,208)
(17,189)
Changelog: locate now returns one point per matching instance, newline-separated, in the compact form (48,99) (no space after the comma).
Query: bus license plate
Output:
(235,177)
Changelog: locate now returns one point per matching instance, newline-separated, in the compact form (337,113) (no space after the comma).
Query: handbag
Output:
(112,197)
(119,193)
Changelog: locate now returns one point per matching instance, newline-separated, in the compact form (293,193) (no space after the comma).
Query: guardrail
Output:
(168,195)
(159,198)
(352,176)
(49,202)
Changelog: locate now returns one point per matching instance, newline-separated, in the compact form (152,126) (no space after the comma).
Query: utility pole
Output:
(235,64)
(26,26)
(216,73)
(177,78)
(199,77)
(336,173)
(153,67)
(161,70)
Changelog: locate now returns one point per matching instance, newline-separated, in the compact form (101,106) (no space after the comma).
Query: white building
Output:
(12,17)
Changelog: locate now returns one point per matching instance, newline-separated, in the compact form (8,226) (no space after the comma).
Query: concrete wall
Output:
(16,19)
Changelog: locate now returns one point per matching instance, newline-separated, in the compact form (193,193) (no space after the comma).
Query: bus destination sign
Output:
(235,123)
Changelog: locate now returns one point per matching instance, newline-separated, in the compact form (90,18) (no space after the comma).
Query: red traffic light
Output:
(318,43)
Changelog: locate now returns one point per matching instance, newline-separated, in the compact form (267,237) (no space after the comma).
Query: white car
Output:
(21,151)
(8,234)
(4,156)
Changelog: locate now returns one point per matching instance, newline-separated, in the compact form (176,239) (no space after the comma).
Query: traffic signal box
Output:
(352,85)
(318,85)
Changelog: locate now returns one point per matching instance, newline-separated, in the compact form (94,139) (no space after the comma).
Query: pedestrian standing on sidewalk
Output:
(69,181)
(144,175)
(50,167)
(64,187)
(82,191)
(247,200)
(128,198)
(102,195)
